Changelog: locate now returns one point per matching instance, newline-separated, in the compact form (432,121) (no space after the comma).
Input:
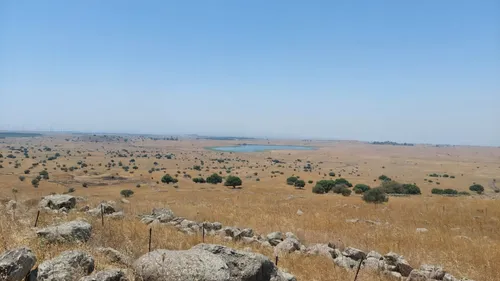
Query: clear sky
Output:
(409,71)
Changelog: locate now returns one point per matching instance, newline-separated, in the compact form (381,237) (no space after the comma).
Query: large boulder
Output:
(354,253)
(322,250)
(194,264)
(289,245)
(399,263)
(163,215)
(57,202)
(68,266)
(73,231)
(244,266)
(433,271)
(107,275)
(274,238)
(105,208)
(15,264)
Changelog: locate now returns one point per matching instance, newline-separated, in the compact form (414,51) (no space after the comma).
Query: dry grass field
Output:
(463,232)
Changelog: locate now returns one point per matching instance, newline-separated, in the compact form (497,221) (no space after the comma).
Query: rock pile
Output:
(202,262)
(58,203)
(391,264)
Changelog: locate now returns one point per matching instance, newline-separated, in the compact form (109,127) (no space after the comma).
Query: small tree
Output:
(22,178)
(126,193)
(376,196)
(477,188)
(168,179)
(331,174)
(361,188)
(233,181)
(318,189)
(35,182)
(300,184)
(346,191)
(214,179)
(291,180)
(384,178)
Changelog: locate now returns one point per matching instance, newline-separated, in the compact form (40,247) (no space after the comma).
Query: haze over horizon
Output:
(416,72)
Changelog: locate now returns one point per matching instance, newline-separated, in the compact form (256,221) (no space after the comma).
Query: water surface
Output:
(259,148)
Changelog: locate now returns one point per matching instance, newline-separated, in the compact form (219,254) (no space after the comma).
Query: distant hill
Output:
(4,135)
(392,143)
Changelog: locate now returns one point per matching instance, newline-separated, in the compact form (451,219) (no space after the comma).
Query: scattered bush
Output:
(214,179)
(375,196)
(318,189)
(84,184)
(300,183)
(346,192)
(384,178)
(233,181)
(35,182)
(199,180)
(361,188)
(477,188)
(331,174)
(197,168)
(168,179)
(393,187)
(22,178)
(291,180)
(126,193)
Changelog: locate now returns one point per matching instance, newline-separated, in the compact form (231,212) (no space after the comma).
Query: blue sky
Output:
(410,71)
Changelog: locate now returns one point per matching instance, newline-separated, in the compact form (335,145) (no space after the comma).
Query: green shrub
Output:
(197,168)
(464,193)
(450,191)
(361,188)
(384,178)
(233,181)
(291,180)
(375,195)
(22,178)
(319,189)
(310,181)
(331,174)
(437,191)
(199,180)
(343,181)
(393,187)
(477,188)
(346,192)
(214,179)
(35,182)
(300,183)
(326,184)
(168,179)
(126,193)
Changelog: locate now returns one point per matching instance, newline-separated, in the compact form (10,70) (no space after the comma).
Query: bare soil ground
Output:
(463,231)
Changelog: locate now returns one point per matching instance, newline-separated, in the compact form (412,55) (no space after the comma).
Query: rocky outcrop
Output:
(58,202)
(68,266)
(107,275)
(207,262)
(166,265)
(15,264)
(73,231)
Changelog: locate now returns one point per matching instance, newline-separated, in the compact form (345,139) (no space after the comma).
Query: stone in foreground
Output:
(68,266)
(73,231)
(15,264)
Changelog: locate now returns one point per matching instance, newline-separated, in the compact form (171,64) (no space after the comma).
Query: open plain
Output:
(461,232)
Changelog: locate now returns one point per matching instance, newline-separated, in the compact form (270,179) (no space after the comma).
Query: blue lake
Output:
(259,148)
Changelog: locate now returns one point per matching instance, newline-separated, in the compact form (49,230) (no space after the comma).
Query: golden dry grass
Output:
(463,232)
